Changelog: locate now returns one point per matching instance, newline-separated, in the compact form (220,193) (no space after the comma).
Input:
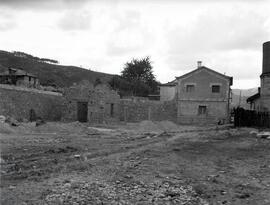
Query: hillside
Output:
(245,93)
(49,73)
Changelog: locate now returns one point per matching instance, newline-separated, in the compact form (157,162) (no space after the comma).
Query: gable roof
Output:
(208,69)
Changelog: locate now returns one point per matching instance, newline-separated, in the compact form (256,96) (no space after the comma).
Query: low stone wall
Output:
(134,110)
(17,102)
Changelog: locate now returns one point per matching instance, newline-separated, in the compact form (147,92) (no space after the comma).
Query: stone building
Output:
(86,103)
(203,96)
(261,100)
(168,91)
(19,77)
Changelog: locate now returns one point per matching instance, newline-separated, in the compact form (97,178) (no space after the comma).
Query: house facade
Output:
(203,96)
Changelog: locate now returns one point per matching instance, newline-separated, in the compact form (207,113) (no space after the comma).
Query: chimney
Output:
(199,64)
(266,58)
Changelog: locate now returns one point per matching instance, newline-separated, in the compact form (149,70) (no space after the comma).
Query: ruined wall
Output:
(134,110)
(102,103)
(17,102)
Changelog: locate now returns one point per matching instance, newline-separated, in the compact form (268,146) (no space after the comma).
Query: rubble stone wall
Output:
(103,103)
(216,111)
(17,103)
(133,110)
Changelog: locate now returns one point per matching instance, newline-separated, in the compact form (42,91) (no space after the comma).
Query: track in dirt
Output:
(192,166)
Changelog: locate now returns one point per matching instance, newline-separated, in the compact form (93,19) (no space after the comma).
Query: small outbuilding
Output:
(89,103)
(19,77)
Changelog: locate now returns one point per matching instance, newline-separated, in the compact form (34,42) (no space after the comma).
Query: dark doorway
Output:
(82,111)
(112,110)
(32,115)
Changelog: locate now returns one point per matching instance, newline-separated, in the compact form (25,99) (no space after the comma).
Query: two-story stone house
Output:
(203,96)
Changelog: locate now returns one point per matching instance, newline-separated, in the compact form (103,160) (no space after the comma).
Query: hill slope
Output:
(51,74)
(245,93)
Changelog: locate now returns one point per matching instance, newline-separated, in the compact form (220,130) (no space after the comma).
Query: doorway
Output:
(82,111)
(112,110)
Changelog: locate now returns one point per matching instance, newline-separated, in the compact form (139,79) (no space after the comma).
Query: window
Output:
(215,88)
(202,110)
(190,88)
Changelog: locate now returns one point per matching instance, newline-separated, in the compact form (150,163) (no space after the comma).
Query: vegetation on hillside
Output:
(34,58)
(47,70)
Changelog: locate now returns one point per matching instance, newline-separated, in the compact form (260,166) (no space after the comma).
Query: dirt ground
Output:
(135,163)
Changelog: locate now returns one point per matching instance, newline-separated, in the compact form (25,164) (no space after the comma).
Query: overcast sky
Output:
(227,35)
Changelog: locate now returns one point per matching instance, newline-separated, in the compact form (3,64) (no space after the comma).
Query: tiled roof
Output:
(208,69)
(172,83)
(253,97)
(18,72)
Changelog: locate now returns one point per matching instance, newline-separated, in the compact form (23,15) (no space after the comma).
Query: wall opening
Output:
(215,88)
(32,115)
(190,88)
(82,111)
(112,109)
(202,110)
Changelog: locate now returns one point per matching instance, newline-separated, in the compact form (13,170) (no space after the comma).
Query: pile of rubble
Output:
(120,192)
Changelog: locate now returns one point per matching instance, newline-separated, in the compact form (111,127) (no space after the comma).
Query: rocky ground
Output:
(135,163)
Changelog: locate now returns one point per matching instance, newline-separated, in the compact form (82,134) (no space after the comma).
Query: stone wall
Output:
(134,110)
(102,103)
(17,102)
(265,93)
(188,112)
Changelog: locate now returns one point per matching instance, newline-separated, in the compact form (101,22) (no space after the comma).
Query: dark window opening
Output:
(190,88)
(202,110)
(215,88)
